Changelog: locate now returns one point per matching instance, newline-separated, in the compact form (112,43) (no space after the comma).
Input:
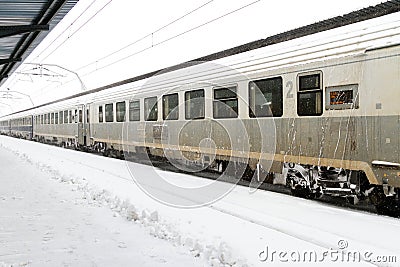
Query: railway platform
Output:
(44,223)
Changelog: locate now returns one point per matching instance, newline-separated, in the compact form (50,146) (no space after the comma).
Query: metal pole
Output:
(12,91)
(83,87)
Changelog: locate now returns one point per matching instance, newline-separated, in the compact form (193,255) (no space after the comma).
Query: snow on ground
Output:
(243,228)
(44,223)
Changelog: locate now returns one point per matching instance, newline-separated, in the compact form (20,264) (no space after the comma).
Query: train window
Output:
(170,107)
(309,96)
(225,103)
(41,119)
(80,116)
(150,109)
(266,98)
(70,116)
(87,116)
(56,118)
(100,114)
(310,82)
(120,109)
(61,117)
(341,97)
(134,110)
(52,118)
(194,104)
(75,117)
(109,110)
(65,116)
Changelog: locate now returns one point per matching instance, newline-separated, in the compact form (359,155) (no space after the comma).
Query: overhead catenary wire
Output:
(77,30)
(144,37)
(147,35)
(70,25)
(173,37)
(166,40)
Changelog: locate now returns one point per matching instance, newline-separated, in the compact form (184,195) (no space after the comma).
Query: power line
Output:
(86,22)
(168,39)
(148,35)
(72,23)
(173,37)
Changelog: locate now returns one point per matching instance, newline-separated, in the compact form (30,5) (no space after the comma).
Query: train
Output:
(317,112)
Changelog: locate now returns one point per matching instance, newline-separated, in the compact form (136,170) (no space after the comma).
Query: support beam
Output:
(9,60)
(6,31)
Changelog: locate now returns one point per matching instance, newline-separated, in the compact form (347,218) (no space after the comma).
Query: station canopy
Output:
(23,25)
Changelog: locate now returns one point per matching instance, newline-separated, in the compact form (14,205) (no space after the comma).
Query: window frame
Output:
(173,114)
(100,116)
(340,106)
(107,117)
(153,111)
(224,100)
(133,110)
(118,116)
(61,117)
(316,92)
(188,101)
(65,115)
(253,110)
(80,114)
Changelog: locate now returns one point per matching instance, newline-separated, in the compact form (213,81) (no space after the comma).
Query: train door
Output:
(81,125)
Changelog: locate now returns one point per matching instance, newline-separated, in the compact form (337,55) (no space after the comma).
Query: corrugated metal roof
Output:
(23,25)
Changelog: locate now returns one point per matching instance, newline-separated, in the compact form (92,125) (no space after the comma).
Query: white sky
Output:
(97,28)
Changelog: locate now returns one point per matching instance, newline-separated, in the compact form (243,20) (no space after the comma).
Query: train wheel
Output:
(302,192)
(385,205)
(248,174)
(390,207)
(221,166)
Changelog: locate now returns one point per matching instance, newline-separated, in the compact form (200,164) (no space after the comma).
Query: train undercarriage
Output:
(311,182)
(316,181)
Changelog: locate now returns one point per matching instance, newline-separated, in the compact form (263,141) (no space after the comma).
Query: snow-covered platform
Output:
(64,207)
(46,223)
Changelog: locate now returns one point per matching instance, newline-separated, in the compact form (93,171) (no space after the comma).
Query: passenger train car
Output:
(318,113)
